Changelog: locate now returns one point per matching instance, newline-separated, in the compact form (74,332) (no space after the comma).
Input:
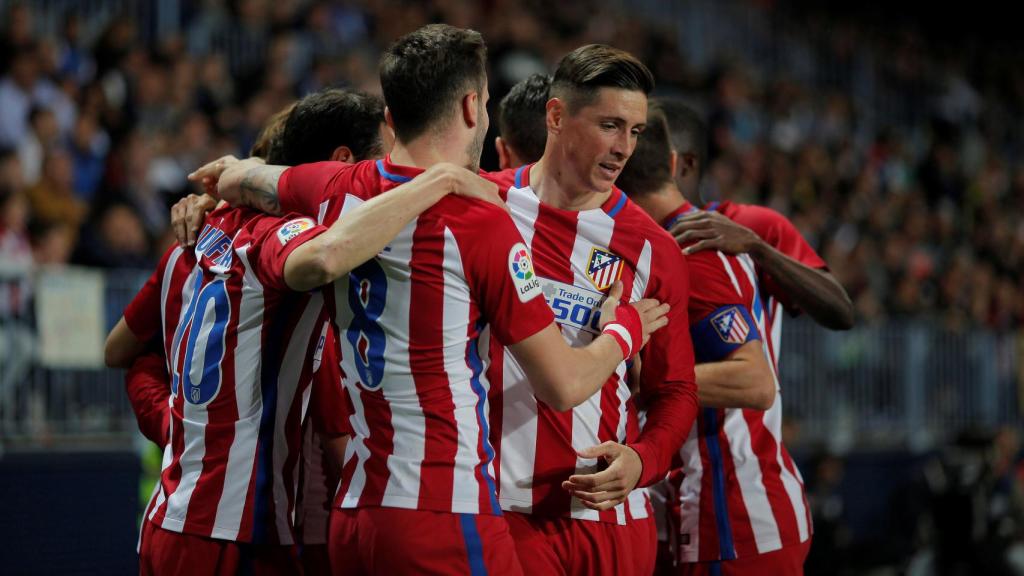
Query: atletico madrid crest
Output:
(604,268)
(731,326)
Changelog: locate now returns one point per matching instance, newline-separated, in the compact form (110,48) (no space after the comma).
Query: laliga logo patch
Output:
(604,268)
(731,326)
(293,229)
(521,268)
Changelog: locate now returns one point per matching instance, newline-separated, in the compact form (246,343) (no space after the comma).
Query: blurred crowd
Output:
(917,205)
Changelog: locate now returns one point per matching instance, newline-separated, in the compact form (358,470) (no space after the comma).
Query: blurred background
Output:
(893,137)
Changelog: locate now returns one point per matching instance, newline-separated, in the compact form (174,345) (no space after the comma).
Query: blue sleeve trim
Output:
(720,333)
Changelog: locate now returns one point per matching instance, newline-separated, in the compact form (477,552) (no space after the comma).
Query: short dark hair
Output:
(424,72)
(270,135)
(324,120)
(522,117)
(588,68)
(687,130)
(650,166)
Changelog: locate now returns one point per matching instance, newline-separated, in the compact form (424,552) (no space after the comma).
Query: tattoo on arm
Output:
(259,188)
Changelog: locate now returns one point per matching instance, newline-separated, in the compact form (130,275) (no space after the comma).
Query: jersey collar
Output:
(685,208)
(396,172)
(612,206)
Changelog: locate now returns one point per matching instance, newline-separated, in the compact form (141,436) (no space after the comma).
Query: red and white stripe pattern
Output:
(740,492)
(229,469)
(409,322)
(537,445)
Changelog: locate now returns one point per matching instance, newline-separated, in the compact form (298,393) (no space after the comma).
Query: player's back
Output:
(409,322)
(237,343)
(740,493)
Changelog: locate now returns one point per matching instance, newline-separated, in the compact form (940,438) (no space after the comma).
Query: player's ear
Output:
(687,164)
(388,119)
(504,158)
(471,109)
(673,162)
(343,154)
(555,114)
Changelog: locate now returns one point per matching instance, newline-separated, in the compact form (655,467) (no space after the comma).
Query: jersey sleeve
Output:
(668,388)
(720,321)
(148,388)
(301,189)
(500,271)
(142,315)
(782,235)
(329,404)
(273,240)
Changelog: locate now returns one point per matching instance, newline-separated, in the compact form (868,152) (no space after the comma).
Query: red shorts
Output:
(788,561)
(163,552)
(398,541)
(563,546)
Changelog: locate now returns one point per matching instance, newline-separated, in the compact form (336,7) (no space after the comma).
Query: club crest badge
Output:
(604,268)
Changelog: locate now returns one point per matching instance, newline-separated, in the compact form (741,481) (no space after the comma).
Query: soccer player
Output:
(522,122)
(418,492)
(728,495)
(239,361)
(794,277)
(568,515)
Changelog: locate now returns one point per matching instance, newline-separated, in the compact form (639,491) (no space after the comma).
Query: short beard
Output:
(476,148)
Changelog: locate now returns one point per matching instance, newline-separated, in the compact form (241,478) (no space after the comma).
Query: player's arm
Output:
(813,290)
(122,346)
(563,376)
(362,234)
(148,387)
(743,380)
(252,183)
(139,324)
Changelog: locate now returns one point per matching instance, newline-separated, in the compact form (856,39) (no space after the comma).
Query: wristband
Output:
(626,329)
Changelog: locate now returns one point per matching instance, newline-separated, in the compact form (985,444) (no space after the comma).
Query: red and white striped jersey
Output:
(326,416)
(238,343)
(737,492)
(409,325)
(578,255)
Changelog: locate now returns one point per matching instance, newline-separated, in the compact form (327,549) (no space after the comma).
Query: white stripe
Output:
(794,490)
(525,206)
(248,400)
(165,288)
(399,388)
(455,328)
(622,333)
(593,229)
(518,437)
(690,496)
(193,427)
(322,213)
(288,383)
(751,482)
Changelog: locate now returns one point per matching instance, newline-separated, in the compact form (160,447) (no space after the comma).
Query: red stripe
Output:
(379,443)
(555,461)
(426,362)
(765,447)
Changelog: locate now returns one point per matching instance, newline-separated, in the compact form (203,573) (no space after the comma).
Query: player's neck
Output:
(661,203)
(556,186)
(425,151)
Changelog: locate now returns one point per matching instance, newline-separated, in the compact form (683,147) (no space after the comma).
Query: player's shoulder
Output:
(505,179)
(634,219)
(754,216)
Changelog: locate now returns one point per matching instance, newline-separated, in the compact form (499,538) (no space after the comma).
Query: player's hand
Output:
(462,182)
(652,313)
(709,230)
(187,216)
(608,488)
(209,174)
